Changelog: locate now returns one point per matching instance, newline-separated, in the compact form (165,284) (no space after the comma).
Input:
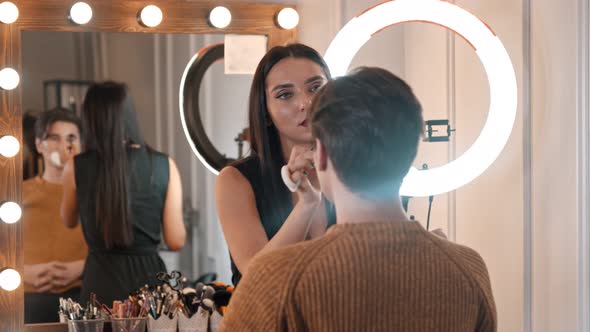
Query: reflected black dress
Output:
(113,274)
(274,203)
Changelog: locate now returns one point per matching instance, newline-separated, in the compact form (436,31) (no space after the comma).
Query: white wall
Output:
(555,254)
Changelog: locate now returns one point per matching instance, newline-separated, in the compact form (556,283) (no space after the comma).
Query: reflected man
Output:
(54,255)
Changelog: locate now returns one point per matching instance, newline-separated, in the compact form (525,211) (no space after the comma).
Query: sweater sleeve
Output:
(486,321)
(487,317)
(256,302)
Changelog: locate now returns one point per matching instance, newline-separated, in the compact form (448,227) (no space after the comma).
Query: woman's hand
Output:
(67,273)
(301,170)
(39,276)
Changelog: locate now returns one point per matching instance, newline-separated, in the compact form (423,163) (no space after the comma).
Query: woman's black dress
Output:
(113,273)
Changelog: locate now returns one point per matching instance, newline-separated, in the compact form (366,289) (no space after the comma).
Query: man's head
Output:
(57,136)
(367,127)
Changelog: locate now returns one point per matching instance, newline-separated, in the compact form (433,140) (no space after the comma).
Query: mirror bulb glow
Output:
(9,146)
(288,18)
(10,212)
(9,279)
(81,13)
(9,79)
(8,12)
(220,17)
(151,16)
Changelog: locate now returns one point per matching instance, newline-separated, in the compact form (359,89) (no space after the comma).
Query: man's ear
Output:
(322,156)
(38,145)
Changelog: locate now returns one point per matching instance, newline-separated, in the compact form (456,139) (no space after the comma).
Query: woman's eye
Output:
(284,95)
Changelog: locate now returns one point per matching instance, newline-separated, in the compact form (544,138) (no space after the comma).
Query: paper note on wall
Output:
(243,52)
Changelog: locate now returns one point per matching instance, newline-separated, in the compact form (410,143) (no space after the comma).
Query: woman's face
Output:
(290,87)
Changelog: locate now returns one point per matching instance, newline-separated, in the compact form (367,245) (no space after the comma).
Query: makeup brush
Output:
(208,291)
(208,305)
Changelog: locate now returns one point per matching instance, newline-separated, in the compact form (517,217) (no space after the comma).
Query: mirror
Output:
(206,66)
(180,17)
(152,67)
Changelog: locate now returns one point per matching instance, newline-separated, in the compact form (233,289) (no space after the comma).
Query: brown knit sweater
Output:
(392,276)
(46,238)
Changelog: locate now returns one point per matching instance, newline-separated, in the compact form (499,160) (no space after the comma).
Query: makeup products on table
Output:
(72,310)
(80,318)
(159,307)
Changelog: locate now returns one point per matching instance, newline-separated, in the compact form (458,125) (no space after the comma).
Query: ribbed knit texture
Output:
(390,276)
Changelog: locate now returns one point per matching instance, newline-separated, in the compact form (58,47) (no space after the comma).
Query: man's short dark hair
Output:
(48,118)
(370,123)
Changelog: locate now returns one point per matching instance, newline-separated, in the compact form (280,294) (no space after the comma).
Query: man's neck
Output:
(52,174)
(352,209)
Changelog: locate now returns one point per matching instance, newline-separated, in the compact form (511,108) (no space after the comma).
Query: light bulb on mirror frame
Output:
(288,18)
(8,12)
(9,146)
(10,279)
(150,16)
(220,17)
(10,212)
(80,13)
(9,78)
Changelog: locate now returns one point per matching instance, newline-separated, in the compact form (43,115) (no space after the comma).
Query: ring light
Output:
(492,54)
(190,116)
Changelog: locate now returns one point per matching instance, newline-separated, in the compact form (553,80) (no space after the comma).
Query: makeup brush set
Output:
(192,309)
(202,305)
(164,307)
(72,310)
(80,318)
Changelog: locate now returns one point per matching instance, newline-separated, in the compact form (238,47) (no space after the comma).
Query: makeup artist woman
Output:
(124,193)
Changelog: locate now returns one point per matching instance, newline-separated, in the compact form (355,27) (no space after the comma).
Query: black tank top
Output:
(149,172)
(274,204)
(113,273)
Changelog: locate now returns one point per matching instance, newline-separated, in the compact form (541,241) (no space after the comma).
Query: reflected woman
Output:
(256,210)
(125,195)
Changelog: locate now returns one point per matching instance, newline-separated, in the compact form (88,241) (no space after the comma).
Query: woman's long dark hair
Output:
(110,125)
(264,137)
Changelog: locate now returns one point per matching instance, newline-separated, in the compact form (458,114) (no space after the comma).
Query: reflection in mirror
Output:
(228,131)
(207,60)
(58,67)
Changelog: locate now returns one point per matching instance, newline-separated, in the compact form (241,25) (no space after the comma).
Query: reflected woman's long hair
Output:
(110,126)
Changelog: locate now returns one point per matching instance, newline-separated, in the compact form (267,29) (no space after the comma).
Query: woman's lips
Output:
(304,123)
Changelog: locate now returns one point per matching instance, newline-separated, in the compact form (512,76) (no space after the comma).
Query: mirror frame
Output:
(180,17)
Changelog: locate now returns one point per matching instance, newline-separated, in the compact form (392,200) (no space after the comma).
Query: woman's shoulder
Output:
(240,172)
(249,167)
(250,161)
(231,179)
